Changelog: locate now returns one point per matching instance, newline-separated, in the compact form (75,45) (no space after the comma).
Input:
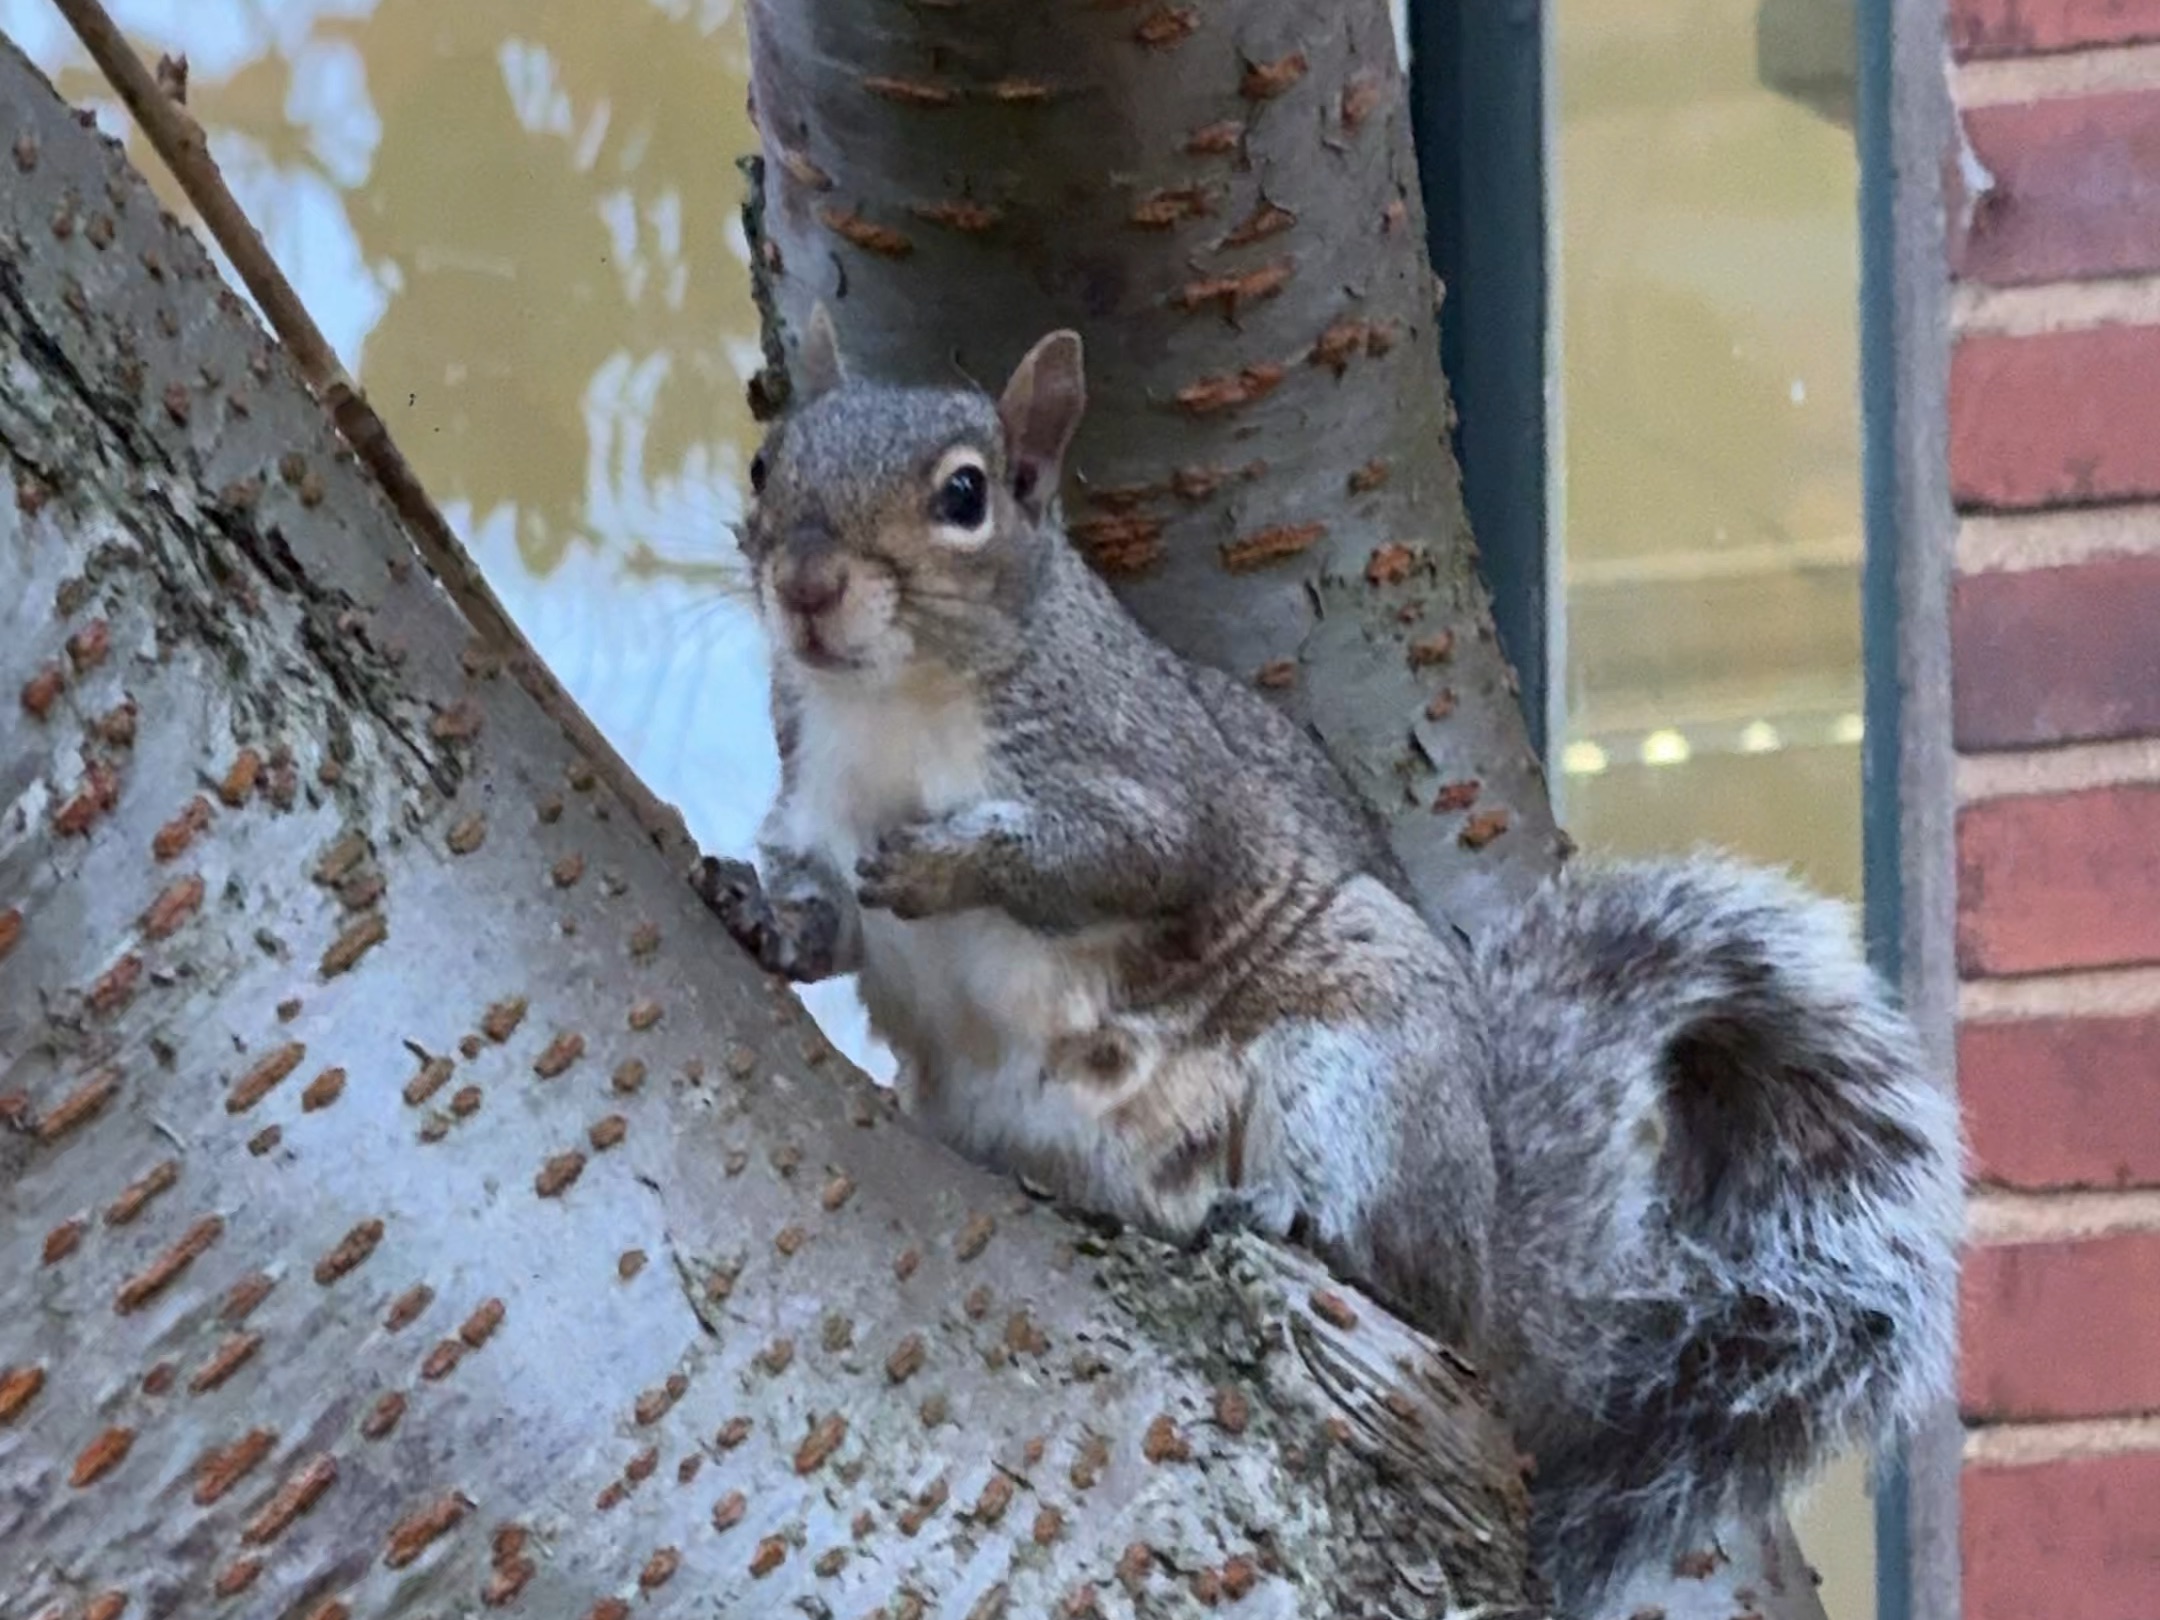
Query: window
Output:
(1662,448)
(1709,511)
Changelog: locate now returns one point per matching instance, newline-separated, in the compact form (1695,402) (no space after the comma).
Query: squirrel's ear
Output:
(817,365)
(1040,409)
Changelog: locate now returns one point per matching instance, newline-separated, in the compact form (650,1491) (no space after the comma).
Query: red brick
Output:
(2076,189)
(2056,654)
(2073,1539)
(2021,27)
(2068,1328)
(2056,418)
(2054,881)
(2063,1102)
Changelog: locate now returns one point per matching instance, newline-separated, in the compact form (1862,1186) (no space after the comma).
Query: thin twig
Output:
(179,140)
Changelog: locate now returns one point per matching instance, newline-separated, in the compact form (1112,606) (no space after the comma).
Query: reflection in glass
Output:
(516,220)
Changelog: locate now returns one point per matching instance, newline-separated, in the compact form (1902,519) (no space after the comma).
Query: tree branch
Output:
(408,1204)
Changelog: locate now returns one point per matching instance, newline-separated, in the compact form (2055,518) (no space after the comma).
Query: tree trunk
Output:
(1223,199)
(412,1204)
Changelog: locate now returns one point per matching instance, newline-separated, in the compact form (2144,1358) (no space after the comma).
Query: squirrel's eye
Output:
(757,473)
(963,500)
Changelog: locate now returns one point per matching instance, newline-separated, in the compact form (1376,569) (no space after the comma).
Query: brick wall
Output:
(2055,624)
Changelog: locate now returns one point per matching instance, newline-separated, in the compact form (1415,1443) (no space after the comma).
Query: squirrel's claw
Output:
(796,939)
(731,891)
(1268,1211)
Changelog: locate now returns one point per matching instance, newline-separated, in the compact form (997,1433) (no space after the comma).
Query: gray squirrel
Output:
(1658,1152)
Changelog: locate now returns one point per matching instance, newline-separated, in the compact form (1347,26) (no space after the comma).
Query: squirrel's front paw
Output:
(798,939)
(926,868)
(914,872)
(731,892)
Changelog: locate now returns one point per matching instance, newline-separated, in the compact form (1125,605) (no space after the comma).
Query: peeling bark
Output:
(411,1207)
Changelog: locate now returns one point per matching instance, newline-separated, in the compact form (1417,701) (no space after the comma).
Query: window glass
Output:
(1707,494)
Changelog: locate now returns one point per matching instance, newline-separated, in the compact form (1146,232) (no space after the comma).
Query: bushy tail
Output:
(1731,1203)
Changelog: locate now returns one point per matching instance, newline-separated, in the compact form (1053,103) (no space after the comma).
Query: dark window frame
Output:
(1477,106)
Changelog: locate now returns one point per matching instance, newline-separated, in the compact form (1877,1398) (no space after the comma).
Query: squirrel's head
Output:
(896,530)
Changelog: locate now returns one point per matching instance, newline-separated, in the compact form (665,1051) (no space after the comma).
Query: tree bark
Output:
(1223,200)
(412,1206)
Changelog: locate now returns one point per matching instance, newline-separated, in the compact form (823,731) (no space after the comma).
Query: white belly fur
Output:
(970,1002)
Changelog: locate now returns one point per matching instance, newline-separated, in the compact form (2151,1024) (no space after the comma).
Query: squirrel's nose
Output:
(814,583)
